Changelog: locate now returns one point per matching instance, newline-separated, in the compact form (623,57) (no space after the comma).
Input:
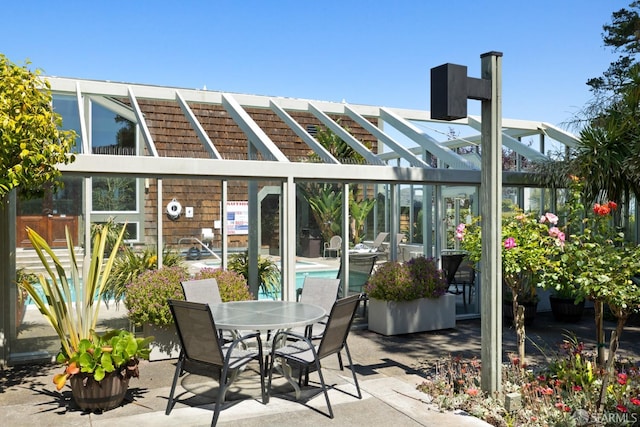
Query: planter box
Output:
(393,318)
(166,344)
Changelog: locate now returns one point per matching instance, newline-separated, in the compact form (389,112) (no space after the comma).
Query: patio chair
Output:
(202,290)
(360,268)
(306,356)
(450,264)
(200,344)
(466,277)
(322,292)
(333,245)
(377,243)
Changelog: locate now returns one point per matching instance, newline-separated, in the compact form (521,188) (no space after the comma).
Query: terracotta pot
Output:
(530,309)
(91,395)
(565,309)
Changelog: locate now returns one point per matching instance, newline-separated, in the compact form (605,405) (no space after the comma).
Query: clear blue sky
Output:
(365,52)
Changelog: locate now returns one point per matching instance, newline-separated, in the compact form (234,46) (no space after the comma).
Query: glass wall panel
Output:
(67,107)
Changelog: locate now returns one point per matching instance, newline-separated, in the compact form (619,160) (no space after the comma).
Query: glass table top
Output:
(265,315)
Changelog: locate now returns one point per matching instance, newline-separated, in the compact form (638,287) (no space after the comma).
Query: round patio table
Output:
(264,315)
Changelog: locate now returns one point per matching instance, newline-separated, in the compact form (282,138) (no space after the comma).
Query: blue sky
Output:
(364,52)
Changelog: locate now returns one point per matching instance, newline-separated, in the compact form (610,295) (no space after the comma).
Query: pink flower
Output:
(577,388)
(510,243)
(550,218)
(460,229)
(554,231)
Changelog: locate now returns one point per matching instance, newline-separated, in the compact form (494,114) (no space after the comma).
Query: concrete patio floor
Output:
(388,370)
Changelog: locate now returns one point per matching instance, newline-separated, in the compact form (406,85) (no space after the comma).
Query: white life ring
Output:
(174,209)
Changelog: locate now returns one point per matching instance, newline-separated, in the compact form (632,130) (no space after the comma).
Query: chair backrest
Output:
(197,331)
(338,326)
(465,274)
(450,264)
(202,290)
(378,240)
(360,268)
(335,242)
(320,291)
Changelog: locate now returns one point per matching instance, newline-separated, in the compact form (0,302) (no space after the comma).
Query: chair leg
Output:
(324,388)
(353,371)
(175,382)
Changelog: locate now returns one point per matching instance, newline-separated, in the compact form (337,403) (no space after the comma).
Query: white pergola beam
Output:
(317,148)
(172,167)
(398,148)
(513,144)
(250,128)
(195,124)
(143,124)
(368,155)
(425,141)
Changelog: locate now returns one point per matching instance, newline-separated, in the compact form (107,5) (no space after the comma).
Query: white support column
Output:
(491,212)
(224,232)
(159,235)
(288,221)
(345,239)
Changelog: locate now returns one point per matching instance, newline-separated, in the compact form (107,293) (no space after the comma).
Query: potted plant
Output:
(146,300)
(232,285)
(409,297)
(71,306)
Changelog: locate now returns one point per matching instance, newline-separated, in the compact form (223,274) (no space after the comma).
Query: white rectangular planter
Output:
(405,317)
(166,344)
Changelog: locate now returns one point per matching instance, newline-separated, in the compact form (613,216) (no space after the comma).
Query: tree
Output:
(31,143)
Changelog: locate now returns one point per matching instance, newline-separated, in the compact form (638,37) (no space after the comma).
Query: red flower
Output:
(612,205)
(601,210)
(622,379)
(548,391)
(472,391)
(577,388)
(622,408)
(635,401)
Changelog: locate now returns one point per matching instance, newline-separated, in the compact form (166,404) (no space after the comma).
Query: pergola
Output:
(407,149)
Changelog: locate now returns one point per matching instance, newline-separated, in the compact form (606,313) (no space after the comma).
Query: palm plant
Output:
(268,272)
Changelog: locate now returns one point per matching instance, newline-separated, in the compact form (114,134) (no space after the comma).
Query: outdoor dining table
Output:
(267,316)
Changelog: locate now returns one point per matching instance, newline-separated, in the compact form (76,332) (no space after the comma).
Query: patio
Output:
(388,370)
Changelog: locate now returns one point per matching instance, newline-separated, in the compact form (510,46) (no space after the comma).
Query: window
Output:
(111,133)
(114,194)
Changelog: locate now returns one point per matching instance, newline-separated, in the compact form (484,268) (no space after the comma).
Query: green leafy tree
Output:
(31,143)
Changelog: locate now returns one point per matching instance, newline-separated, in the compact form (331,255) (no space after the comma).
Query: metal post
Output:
(491,213)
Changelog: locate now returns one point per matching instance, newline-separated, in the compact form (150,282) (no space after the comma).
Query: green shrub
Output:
(129,264)
(233,286)
(414,279)
(146,296)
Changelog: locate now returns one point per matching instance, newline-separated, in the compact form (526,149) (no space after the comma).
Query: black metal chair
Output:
(200,342)
(360,268)
(466,277)
(307,356)
(450,264)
